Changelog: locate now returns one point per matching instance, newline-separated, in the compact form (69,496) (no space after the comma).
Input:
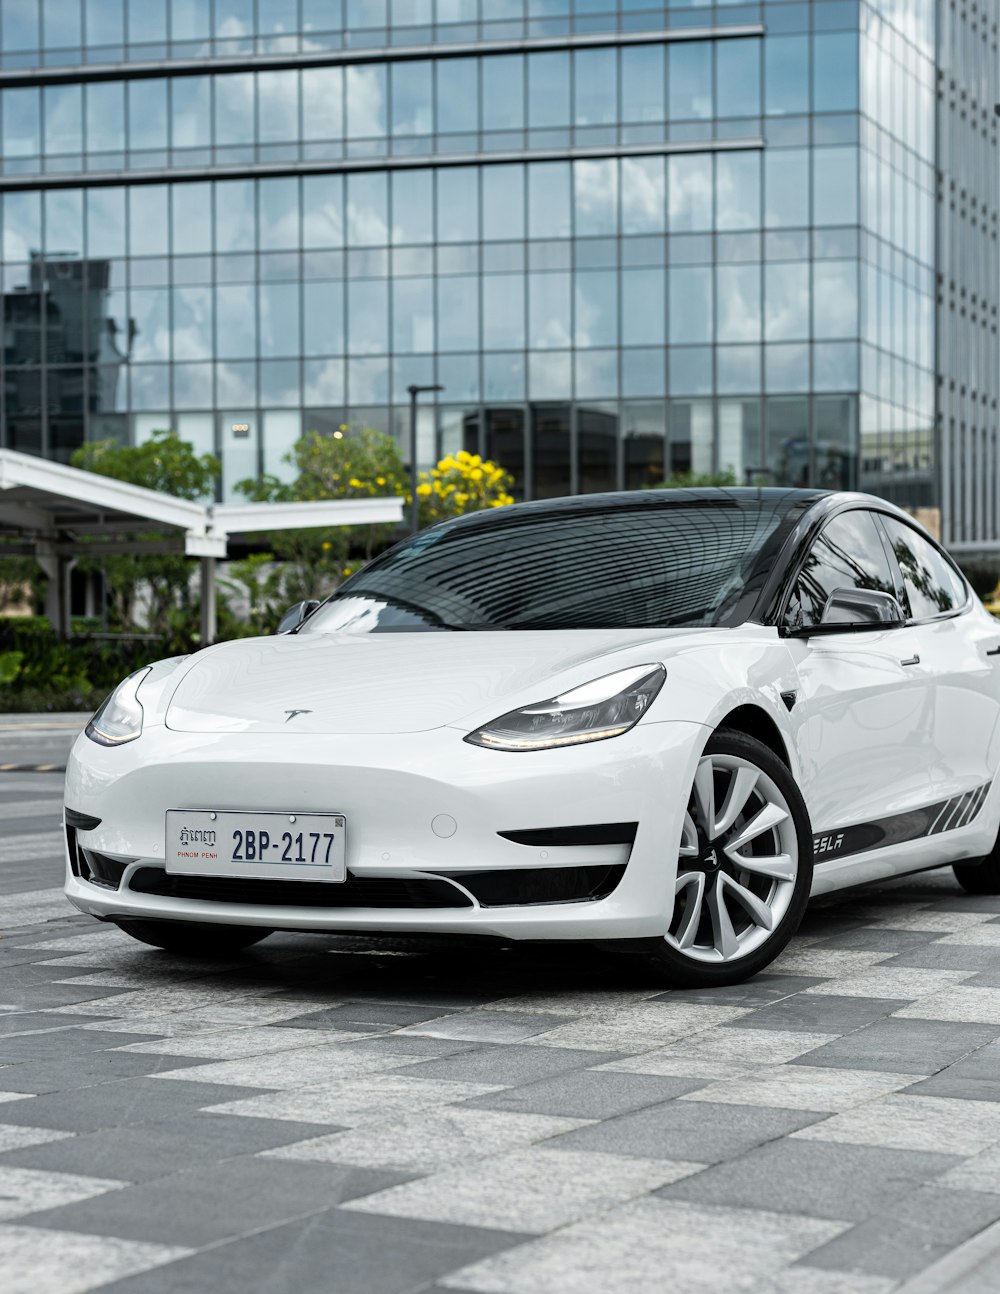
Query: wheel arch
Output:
(753,721)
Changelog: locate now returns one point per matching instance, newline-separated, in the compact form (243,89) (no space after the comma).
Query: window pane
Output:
(690,80)
(737,78)
(322,103)
(367,214)
(643,307)
(147,114)
(596,193)
(192,218)
(323,307)
(932,587)
(412,207)
(848,555)
(368,317)
(835,186)
(503,202)
(503,92)
(835,72)
(737,191)
(458,204)
(786,187)
(277,106)
(458,313)
(596,308)
(61,23)
(147,21)
(64,224)
(21,126)
(548,201)
(643,195)
(235,229)
(787,301)
(234,109)
(457,95)
(189,19)
(190,98)
(192,323)
(595,82)
(278,214)
(503,312)
(548,90)
(150,322)
(549,311)
(690,304)
(412,98)
(835,299)
(413,316)
(643,83)
(20,24)
(105,104)
(323,211)
(148,222)
(366,94)
(105,22)
(63,119)
(738,295)
(690,193)
(786,70)
(279,318)
(105,222)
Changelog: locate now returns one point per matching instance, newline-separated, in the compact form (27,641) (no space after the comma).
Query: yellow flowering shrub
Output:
(461,483)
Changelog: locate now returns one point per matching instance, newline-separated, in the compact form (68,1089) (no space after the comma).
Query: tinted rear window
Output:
(624,566)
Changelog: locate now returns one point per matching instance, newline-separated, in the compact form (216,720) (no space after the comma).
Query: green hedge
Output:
(39,671)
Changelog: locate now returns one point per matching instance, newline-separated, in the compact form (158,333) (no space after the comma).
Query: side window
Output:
(932,587)
(848,554)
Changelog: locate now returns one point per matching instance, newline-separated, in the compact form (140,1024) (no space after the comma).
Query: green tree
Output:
(697,480)
(170,465)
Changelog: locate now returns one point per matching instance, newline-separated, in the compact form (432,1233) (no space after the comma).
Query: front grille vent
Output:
(355,892)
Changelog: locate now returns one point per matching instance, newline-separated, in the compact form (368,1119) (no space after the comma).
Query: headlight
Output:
(120,717)
(605,708)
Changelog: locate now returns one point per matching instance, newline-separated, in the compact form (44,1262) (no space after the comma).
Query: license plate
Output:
(262,846)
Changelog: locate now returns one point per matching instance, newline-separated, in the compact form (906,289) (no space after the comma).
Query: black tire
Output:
(681,970)
(192,938)
(981,877)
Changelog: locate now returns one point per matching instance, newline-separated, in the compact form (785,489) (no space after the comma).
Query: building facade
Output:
(627,239)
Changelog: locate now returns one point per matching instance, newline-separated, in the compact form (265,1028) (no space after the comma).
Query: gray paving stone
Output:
(123,1103)
(817,1179)
(409,1044)
(588,1094)
(14,1023)
(360,1016)
(217,1202)
(909,1234)
(336,1252)
(902,1046)
(695,1131)
(872,939)
(511,1064)
(815,1013)
(939,956)
(974,1077)
(63,1043)
(490,1026)
(140,1154)
(86,1070)
(759,991)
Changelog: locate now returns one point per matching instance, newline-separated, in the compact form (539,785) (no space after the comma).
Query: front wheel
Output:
(744,869)
(192,938)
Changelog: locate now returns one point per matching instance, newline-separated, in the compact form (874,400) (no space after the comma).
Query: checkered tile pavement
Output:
(340,1115)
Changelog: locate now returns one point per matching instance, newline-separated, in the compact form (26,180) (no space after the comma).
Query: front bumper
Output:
(399,794)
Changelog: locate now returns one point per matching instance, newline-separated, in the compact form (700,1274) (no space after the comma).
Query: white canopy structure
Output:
(46,509)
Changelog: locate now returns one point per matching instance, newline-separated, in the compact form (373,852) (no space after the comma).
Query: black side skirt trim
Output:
(946,815)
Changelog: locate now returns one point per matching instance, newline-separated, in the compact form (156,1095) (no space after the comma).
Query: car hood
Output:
(387,683)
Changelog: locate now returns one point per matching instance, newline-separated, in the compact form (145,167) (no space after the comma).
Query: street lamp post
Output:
(414,502)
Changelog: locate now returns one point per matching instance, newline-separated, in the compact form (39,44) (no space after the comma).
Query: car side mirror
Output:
(296,615)
(853,609)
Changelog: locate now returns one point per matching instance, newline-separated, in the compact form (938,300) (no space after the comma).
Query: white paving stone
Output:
(748,1047)
(312,1066)
(36,906)
(802,1279)
(234,1044)
(934,1123)
(796,960)
(891,982)
(638,1028)
(666,1063)
(430,1139)
(36,1261)
(13,1137)
(978,1173)
(351,1102)
(207,1019)
(982,935)
(804,1087)
(525,1190)
(26,1190)
(649,1247)
(965,1003)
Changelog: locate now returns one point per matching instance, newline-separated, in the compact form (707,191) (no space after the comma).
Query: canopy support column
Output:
(209,620)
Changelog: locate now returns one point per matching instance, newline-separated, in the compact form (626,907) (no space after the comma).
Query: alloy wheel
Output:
(738,862)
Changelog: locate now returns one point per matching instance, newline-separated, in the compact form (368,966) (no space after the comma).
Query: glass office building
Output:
(628,238)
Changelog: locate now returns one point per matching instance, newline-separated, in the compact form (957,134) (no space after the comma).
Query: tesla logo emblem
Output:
(293,713)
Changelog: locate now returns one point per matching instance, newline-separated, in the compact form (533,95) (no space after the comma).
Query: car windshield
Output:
(657,560)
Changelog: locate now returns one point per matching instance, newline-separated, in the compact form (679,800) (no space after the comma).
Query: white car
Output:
(662,719)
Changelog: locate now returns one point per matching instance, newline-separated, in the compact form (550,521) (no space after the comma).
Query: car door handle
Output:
(993,651)
(911,660)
